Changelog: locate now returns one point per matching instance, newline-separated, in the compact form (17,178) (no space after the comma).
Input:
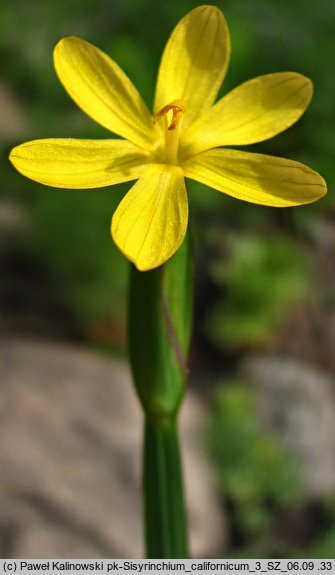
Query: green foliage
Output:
(323,543)
(260,278)
(71,238)
(254,473)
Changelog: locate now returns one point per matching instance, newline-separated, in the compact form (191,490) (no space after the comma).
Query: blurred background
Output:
(262,360)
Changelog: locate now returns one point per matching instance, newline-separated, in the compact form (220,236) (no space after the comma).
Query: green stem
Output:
(165,521)
(159,328)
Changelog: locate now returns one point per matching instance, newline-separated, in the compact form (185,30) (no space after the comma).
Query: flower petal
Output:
(252,112)
(102,90)
(256,178)
(151,221)
(194,62)
(66,163)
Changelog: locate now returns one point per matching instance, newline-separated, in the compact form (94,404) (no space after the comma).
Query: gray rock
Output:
(70,448)
(297,404)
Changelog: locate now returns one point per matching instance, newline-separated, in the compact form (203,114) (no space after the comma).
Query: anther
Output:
(177,108)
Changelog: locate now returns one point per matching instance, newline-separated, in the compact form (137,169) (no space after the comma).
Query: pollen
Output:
(177,108)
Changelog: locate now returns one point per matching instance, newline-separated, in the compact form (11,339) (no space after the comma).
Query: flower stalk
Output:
(164,507)
(159,328)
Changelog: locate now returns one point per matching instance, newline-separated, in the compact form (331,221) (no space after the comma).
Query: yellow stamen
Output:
(172,128)
(178,109)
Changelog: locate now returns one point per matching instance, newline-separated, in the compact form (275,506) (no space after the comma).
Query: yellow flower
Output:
(184,137)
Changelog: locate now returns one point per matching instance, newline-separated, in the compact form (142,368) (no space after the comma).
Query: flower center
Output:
(172,114)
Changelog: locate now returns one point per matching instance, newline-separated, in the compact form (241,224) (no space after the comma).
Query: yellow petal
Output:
(253,112)
(150,223)
(103,91)
(256,178)
(79,163)
(194,62)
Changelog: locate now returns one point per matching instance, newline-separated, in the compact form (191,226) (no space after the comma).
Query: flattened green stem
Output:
(159,328)
(165,521)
